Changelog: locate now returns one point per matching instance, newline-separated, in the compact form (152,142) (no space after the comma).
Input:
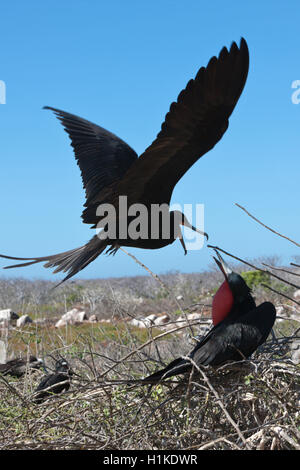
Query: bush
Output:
(255,278)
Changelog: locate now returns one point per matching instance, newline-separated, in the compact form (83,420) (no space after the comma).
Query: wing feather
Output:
(102,157)
(193,125)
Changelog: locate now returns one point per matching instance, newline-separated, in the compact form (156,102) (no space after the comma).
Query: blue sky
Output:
(120,64)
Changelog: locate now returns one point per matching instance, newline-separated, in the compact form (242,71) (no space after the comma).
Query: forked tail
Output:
(71,261)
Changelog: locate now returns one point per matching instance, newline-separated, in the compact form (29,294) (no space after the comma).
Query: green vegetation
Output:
(255,278)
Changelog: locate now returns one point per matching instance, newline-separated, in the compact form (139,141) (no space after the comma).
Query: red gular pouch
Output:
(222,303)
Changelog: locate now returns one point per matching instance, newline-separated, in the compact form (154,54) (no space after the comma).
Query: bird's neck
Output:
(241,308)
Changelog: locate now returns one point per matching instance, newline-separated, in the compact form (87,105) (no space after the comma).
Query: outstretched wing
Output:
(103,159)
(194,124)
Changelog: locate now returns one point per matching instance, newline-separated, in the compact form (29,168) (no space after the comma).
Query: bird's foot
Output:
(112,250)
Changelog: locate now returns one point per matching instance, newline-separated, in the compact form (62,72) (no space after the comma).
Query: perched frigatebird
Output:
(17,367)
(239,328)
(54,383)
(110,169)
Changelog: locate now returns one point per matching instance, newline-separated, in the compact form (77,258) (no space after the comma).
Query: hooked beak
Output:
(183,244)
(186,223)
(222,265)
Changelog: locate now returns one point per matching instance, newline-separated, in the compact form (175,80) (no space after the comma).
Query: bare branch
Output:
(155,276)
(253,266)
(280,269)
(280,293)
(271,230)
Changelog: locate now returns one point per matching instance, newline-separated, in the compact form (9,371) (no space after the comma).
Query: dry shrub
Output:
(253,404)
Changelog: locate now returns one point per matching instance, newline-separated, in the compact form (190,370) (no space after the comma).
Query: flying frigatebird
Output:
(239,328)
(111,169)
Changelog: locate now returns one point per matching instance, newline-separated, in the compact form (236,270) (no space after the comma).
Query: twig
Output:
(219,402)
(269,228)
(13,390)
(155,276)
(280,293)
(144,345)
(216,441)
(253,266)
(281,433)
(281,269)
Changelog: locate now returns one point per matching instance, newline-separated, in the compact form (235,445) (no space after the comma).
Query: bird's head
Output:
(62,366)
(180,219)
(232,292)
(33,359)
(36,362)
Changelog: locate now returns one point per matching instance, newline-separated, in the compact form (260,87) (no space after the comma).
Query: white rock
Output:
(181,321)
(93,319)
(296,294)
(70,318)
(134,322)
(23,320)
(2,352)
(189,317)
(149,320)
(138,323)
(194,316)
(162,320)
(279,310)
(295,357)
(8,315)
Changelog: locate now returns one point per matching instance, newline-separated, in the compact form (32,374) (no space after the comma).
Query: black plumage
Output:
(54,383)
(235,338)
(110,168)
(17,367)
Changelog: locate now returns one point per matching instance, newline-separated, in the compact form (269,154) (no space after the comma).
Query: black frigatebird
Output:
(54,383)
(239,327)
(111,169)
(17,367)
